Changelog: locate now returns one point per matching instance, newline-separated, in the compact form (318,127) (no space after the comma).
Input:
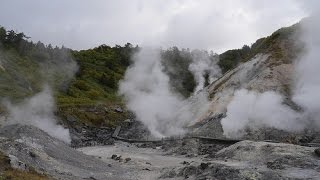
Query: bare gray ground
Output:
(189,159)
(145,163)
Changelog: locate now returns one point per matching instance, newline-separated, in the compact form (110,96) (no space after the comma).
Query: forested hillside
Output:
(81,80)
(85,82)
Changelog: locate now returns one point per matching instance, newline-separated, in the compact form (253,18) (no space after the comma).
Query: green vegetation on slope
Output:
(100,70)
(281,45)
(92,95)
(26,66)
(176,65)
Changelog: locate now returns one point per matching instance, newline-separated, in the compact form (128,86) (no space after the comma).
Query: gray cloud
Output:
(205,24)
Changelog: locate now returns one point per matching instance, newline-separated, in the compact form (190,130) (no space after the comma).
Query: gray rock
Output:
(16,164)
(118,110)
(275,165)
(168,174)
(127,160)
(54,157)
(128,121)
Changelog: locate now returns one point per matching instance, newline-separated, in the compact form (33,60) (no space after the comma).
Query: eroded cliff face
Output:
(260,74)
(270,69)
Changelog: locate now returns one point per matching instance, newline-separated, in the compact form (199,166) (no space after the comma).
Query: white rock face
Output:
(260,74)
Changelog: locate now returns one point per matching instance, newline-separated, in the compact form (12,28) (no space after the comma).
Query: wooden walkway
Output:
(210,140)
(116,136)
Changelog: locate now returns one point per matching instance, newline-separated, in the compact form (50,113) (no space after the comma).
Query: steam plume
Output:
(253,110)
(307,87)
(202,64)
(38,111)
(146,88)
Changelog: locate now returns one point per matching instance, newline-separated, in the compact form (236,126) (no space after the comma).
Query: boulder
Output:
(317,152)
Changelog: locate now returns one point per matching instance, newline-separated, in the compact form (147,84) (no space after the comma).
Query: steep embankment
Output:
(269,66)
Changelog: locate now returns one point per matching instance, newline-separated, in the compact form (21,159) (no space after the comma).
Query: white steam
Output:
(253,110)
(202,64)
(306,91)
(147,91)
(38,111)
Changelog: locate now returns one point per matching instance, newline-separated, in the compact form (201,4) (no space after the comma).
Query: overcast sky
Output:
(215,25)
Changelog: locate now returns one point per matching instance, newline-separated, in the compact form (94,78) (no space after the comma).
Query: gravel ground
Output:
(144,163)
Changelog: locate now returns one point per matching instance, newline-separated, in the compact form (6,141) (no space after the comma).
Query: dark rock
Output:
(306,139)
(118,158)
(183,153)
(185,163)
(275,165)
(114,156)
(189,171)
(204,165)
(32,154)
(90,136)
(71,119)
(134,130)
(317,152)
(147,169)
(143,145)
(127,160)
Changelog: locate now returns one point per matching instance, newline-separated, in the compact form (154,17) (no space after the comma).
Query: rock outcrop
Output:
(34,148)
(254,160)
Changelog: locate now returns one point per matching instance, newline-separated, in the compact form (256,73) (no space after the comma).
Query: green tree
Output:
(3,34)
(109,80)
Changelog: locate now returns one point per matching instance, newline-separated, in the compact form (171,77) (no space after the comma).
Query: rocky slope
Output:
(270,68)
(31,148)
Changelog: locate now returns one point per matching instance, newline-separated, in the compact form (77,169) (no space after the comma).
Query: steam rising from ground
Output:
(253,110)
(204,64)
(307,88)
(147,91)
(38,111)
